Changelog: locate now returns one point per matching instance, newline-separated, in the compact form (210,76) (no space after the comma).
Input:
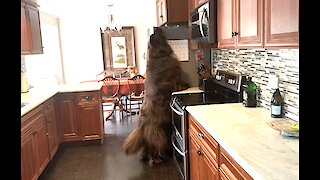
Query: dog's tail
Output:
(134,141)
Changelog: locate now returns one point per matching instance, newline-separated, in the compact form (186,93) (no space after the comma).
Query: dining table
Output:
(124,90)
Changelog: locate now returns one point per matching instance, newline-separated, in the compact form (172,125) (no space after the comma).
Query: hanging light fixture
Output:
(111,24)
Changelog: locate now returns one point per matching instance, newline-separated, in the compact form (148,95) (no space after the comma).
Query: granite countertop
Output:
(245,134)
(38,95)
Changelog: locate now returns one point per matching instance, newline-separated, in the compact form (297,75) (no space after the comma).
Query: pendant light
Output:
(111,24)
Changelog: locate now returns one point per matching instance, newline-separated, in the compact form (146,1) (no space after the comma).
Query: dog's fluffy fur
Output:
(152,136)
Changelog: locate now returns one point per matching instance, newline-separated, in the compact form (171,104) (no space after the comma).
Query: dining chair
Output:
(135,97)
(110,96)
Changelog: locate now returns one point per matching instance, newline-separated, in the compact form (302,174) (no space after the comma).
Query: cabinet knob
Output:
(201,135)
(34,132)
(199,152)
(88,98)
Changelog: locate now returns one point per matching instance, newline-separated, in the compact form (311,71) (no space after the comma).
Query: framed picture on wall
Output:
(118,49)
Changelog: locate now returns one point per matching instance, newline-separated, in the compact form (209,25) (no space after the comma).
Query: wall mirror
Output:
(118,49)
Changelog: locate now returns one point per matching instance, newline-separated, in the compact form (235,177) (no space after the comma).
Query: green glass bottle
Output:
(249,93)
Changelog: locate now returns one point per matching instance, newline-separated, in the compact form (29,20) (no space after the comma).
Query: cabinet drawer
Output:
(48,106)
(88,99)
(31,118)
(230,168)
(208,144)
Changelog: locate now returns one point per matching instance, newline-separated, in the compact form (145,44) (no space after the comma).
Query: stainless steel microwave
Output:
(204,23)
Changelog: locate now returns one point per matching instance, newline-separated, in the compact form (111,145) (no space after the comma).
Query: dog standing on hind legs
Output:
(152,136)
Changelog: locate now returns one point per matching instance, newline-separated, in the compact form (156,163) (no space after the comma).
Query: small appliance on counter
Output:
(24,83)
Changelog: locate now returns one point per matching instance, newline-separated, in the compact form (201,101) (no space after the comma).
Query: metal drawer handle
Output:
(199,152)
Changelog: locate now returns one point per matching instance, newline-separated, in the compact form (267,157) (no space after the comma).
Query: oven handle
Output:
(175,110)
(175,147)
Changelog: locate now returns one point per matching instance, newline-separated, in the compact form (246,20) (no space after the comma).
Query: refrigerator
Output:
(177,37)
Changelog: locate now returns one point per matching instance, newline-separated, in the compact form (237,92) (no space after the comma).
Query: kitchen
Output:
(69,68)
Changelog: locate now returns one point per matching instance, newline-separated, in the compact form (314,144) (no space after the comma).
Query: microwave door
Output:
(204,23)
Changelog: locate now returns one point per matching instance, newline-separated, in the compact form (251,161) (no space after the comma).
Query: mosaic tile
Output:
(260,63)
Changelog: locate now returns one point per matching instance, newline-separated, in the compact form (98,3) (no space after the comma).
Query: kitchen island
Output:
(245,134)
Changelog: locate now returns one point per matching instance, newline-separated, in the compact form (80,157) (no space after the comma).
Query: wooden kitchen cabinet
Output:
(203,153)
(281,23)
(230,169)
(31,39)
(240,23)
(257,24)
(68,117)
(195,3)
(51,122)
(207,159)
(90,115)
(34,144)
(171,12)
(80,116)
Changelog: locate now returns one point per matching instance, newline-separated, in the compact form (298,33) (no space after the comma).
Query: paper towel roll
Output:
(24,83)
(273,81)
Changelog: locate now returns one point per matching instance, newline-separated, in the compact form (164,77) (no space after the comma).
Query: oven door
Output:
(178,122)
(179,156)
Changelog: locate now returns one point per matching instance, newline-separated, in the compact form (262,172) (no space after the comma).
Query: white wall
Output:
(80,22)
(46,68)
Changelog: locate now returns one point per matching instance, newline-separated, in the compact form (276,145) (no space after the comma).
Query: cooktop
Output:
(202,98)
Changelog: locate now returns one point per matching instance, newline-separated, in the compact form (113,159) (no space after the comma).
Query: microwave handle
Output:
(201,27)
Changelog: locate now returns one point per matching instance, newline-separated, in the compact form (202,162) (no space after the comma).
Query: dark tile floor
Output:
(107,161)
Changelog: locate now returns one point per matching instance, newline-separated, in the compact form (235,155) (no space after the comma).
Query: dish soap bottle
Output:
(249,93)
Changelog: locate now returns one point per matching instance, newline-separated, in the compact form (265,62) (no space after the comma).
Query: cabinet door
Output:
(226,23)
(42,147)
(281,23)
(25,31)
(49,110)
(208,169)
(68,117)
(161,12)
(249,23)
(90,115)
(29,162)
(34,18)
(193,158)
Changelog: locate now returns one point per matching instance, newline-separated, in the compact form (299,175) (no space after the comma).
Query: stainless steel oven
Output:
(178,137)
(225,87)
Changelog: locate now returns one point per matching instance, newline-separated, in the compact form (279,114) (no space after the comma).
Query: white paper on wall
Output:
(180,48)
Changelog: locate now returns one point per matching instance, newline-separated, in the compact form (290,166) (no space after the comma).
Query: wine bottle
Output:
(249,93)
(276,104)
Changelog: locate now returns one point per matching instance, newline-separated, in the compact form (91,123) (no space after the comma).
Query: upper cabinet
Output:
(240,23)
(171,12)
(282,23)
(31,40)
(258,23)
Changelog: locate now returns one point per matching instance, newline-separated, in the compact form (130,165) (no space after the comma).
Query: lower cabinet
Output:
(207,159)
(80,116)
(51,122)
(34,144)
(203,154)
(230,169)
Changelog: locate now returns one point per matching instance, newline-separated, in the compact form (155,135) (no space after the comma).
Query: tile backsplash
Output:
(260,63)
